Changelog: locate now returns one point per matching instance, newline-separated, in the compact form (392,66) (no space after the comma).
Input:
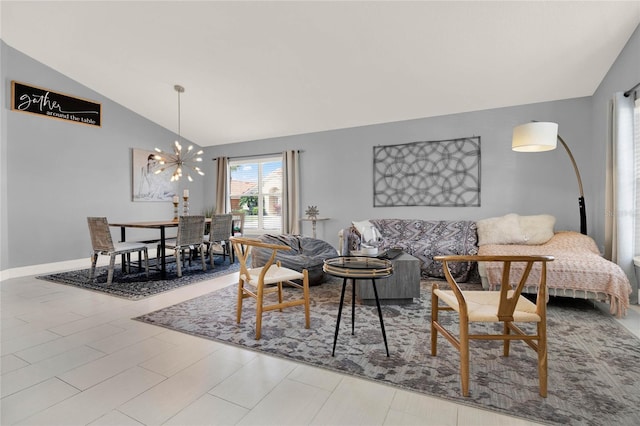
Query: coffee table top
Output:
(358,267)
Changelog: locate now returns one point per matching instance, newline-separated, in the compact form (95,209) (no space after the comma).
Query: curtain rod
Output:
(258,155)
(628,92)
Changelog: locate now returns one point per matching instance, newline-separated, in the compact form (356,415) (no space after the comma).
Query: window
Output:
(255,187)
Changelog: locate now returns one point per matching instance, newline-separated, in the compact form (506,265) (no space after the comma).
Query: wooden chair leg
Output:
(507,342)
(179,262)
(542,358)
(202,257)
(92,271)
(464,357)
(434,319)
(210,251)
(240,298)
(259,303)
(280,294)
(305,290)
(112,263)
(146,262)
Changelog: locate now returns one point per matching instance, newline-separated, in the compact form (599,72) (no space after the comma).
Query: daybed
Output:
(422,239)
(577,271)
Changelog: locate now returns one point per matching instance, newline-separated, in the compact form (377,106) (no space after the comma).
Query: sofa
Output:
(422,239)
(306,253)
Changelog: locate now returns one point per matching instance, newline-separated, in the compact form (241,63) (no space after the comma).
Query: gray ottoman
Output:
(306,253)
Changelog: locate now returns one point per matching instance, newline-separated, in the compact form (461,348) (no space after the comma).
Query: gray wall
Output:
(56,173)
(337,172)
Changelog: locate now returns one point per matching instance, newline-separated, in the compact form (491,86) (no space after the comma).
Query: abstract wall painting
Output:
(443,173)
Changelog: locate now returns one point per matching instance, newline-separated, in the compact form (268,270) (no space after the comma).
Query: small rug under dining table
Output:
(594,362)
(136,285)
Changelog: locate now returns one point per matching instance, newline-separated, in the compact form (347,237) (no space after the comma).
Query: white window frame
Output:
(249,227)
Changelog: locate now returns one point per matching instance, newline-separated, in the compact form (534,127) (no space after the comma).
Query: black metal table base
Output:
(353,309)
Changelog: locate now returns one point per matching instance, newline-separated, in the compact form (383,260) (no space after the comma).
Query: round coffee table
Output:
(358,268)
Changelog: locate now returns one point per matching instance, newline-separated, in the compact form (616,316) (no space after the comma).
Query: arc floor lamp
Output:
(539,136)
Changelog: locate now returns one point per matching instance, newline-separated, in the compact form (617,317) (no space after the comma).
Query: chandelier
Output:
(183,162)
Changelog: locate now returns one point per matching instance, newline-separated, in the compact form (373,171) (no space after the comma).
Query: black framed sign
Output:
(44,102)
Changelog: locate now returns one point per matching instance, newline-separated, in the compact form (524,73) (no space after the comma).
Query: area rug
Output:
(594,363)
(136,285)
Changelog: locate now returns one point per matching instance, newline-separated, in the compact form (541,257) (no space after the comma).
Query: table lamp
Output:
(539,136)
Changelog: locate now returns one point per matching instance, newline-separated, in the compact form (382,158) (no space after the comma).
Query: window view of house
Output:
(255,187)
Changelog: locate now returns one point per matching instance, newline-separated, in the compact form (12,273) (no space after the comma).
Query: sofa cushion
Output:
(425,239)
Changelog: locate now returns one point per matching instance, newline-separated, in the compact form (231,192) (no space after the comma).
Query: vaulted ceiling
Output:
(254,70)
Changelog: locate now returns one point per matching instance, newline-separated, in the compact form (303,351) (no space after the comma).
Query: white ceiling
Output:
(255,70)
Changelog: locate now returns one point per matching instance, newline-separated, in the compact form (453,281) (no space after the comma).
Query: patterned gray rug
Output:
(594,363)
(136,285)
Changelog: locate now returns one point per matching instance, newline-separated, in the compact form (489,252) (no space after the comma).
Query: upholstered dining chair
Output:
(219,237)
(190,238)
(269,278)
(238,223)
(102,243)
(505,306)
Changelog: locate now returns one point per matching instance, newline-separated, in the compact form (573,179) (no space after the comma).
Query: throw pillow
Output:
(368,232)
(537,229)
(500,230)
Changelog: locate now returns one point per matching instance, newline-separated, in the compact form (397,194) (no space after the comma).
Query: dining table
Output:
(160,225)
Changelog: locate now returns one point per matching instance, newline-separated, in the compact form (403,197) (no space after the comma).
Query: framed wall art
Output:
(443,173)
(148,186)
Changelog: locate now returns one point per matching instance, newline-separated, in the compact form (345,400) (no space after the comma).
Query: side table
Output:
(358,268)
(399,289)
(314,221)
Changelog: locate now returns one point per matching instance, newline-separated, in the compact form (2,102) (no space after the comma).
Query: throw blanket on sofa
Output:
(578,266)
(425,239)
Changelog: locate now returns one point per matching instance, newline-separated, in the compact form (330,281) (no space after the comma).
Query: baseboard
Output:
(49,268)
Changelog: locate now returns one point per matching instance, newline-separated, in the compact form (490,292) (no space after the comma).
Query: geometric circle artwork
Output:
(436,173)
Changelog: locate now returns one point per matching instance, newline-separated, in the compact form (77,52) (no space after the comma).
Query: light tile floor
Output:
(75,357)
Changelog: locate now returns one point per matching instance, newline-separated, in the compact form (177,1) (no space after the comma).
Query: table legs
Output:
(375,291)
(335,337)
(353,305)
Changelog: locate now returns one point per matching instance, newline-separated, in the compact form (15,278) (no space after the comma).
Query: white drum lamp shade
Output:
(537,136)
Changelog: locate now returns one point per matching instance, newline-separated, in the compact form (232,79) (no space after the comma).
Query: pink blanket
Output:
(577,266)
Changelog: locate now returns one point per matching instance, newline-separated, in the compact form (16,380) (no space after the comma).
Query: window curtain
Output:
(222,186)
(620,194)
(290,192)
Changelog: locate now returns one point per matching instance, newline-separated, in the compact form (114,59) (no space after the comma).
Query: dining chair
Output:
(219,235)
(506,306)
(257,282)
(238,223)
(102,243)
(190,237)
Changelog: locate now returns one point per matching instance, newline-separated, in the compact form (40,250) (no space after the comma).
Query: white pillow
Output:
(515,229)
(500,230)
(537,229)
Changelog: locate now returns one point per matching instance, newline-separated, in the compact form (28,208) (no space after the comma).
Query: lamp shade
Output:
(537,136)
